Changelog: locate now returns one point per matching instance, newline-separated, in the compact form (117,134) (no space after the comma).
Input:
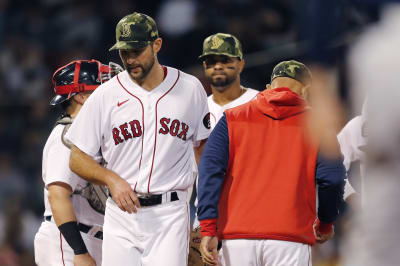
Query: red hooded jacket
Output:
(269,189)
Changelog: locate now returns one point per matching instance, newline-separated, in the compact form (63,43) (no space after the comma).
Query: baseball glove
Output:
(194,248)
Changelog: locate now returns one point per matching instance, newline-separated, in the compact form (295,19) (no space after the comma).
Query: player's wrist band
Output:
(324,228)
(71,233)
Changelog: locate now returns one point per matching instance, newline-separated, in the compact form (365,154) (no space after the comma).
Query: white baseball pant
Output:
(250,252)
(51,249)
(155,235)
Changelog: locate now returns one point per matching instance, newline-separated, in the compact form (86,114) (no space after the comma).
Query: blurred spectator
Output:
(177,17)
(374,239)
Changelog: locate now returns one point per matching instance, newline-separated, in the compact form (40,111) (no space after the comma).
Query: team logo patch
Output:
(206,121)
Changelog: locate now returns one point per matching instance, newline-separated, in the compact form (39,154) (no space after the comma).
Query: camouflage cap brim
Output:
(216,53)
(128,45)
(292,69)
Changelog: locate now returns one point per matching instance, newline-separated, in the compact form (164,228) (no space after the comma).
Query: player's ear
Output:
(78,98)
(268,86)
(157,45)
(305,91)
(242,63)
(81,97)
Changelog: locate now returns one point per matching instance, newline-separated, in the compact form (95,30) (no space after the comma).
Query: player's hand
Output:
(84,260)
(122,193)
(320,237)
(208,250)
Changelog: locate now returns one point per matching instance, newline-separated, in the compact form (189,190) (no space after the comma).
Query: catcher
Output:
(71,233)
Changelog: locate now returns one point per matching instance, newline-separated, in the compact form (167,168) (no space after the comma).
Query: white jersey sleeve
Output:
(351,139)
(56,161)
(55,168)
(203,128)
(86,131)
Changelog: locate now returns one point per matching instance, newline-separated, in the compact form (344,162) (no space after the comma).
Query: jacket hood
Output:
(280,103)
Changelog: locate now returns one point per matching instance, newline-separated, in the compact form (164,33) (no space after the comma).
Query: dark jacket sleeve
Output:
(212,168)
(330,175)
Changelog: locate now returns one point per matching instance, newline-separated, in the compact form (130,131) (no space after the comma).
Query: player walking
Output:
(71,203)
(145,121)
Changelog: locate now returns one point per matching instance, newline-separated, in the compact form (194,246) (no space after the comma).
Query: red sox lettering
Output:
(174,128)
(133,129)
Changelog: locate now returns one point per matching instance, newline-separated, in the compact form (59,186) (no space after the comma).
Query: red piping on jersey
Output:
(62,252)
(155,136)
(141,153)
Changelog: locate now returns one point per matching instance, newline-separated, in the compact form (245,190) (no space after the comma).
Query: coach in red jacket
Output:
(258,177)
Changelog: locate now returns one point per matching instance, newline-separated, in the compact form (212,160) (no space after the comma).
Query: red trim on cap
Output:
(65,89)
(141,154)
(76,86)
(155,136)
(58,69)
(76,72)
(104,68)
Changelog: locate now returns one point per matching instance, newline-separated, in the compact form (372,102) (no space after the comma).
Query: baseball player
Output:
(145,121)
(258,176)
(222,60)
(71,233)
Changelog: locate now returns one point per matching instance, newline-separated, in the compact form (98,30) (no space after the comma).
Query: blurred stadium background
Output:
(38,36)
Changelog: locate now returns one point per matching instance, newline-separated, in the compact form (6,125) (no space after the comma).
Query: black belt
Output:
(82,227)
(152,200)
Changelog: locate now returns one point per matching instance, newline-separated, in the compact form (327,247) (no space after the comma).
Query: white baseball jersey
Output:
(216,110)
(146,137)
(55,168)
(352,138)
(50,247)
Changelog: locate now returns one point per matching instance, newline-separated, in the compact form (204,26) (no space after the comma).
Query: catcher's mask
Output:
(79,76)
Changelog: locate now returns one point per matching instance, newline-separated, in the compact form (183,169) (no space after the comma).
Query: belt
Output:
(87,229)
(147,200)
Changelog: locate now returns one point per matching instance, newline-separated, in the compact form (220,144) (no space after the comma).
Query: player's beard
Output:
(220,83)
(145,69)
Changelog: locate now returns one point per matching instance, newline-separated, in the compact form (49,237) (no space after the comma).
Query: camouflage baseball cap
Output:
(222,44)
(135,31)
(292,69)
